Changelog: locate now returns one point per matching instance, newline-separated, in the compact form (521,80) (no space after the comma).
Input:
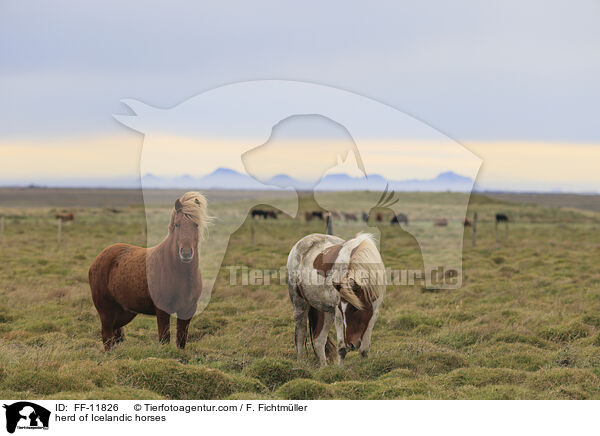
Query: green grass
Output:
(525,324)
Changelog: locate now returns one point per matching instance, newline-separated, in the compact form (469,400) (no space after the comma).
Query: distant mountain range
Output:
(225,178)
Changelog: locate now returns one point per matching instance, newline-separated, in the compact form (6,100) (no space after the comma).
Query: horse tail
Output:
(315,322)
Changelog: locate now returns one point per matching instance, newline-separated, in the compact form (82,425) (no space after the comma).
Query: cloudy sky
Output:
(514,82)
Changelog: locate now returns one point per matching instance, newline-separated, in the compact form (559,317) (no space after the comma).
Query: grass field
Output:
(524,325)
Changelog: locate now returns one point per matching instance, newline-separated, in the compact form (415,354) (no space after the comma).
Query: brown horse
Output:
(440,222)
(126,280)
(65,216)
(350,217)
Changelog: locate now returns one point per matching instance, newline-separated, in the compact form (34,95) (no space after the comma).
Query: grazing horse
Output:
(501,218)
(467,222)
(65,216)
(440,222)
(264,214)
(318,214)
(332,280)
(400,218)
(258,213)
(350,217)
(126,280)
(379,217)
(365,217)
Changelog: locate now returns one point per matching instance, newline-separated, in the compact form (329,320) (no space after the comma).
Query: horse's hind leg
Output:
(108,330)
(300,318)
(119,335)
(122,318)
(301,307)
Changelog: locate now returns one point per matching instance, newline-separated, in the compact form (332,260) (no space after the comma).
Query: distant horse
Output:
(126,280)
(440,222)
(308,216)
(501,218)
(365,217)
(379,217)
(400,218)
(65,216)
(467,222)
(335,214)
(335,280)
(318,214)
(350,217)
(264,214)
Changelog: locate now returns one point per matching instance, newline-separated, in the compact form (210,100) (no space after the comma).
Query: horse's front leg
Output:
(182,331)
(320,341)
(163,319)
(339,330)
(365,344)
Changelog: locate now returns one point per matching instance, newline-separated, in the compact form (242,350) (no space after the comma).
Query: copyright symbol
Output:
(137,407)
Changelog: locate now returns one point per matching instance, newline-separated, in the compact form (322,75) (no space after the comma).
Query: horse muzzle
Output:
(186,257)
(353,347)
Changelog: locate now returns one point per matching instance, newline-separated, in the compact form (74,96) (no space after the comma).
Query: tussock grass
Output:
(304,389)
(275,372)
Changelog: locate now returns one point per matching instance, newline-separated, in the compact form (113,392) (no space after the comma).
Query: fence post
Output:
(474,229)
(59,231)
(329,224)
(496,231)
(1,229)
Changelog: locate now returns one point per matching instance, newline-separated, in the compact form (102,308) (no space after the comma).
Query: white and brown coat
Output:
(332,280)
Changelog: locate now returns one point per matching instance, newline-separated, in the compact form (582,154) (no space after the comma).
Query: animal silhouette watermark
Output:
(26,415)
(231,134)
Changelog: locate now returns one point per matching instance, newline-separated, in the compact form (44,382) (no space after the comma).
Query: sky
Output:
(513,82)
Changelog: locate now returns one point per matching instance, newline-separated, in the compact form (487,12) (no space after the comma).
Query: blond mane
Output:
(360,261)
(194,207)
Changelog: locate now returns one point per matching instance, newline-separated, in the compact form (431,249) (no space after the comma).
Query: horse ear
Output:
(178,205)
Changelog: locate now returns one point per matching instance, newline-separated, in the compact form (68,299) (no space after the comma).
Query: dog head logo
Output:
(26,415)
(224,135)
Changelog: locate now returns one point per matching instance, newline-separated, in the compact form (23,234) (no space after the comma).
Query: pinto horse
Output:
(126,280)
(332,280)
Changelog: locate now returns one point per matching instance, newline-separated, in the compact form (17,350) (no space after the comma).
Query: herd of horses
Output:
(331,281)
(396,219)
